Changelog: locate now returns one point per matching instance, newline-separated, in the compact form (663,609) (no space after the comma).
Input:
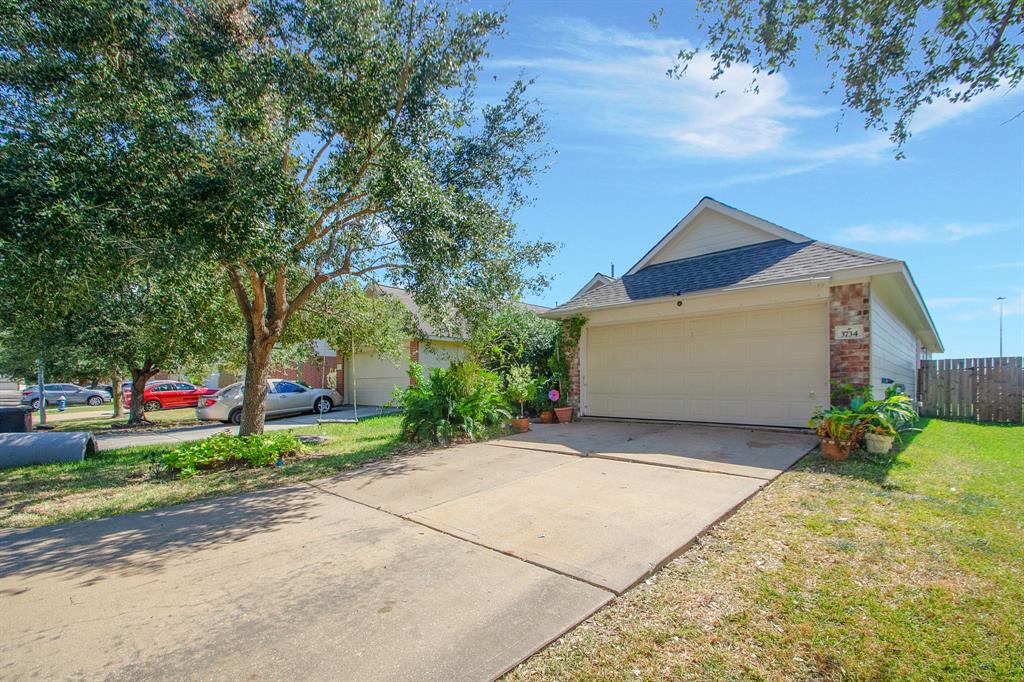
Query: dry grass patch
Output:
(908,569)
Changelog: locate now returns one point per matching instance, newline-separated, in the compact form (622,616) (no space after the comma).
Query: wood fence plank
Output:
(975,389)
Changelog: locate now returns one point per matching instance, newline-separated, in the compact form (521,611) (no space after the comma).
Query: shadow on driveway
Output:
(136,543)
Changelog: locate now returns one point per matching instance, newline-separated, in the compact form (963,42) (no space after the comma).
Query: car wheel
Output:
(35,403)
(321,405)
(95,400)
(151,406)
(235,417)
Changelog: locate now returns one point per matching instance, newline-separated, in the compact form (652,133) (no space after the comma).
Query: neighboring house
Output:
(376,376)
(732,319)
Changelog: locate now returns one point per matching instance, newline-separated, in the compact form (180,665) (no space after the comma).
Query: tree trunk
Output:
(140,375)
(257,373)
(115,397)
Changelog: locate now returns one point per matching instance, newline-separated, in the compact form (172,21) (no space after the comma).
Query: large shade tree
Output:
(304,142)
(888,59)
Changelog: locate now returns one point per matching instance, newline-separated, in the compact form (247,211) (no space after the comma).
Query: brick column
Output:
(573,399)
(414,356)
(850,359)
(339,377)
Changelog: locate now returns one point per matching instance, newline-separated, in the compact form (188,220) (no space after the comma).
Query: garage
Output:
(763,367)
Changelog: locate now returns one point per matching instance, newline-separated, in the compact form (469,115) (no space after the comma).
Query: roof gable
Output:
(712,227)
(598,280)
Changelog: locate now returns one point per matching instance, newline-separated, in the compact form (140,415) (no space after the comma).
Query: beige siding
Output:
(894,349)
(710,232)
(440,354)
(759,367)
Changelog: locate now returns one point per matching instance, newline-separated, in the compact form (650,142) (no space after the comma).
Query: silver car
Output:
(283,397)
(74,395)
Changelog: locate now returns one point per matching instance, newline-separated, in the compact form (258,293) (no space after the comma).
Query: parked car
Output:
(168,395)
(283,397)
(75,395)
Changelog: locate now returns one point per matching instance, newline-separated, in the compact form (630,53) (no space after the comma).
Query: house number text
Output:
(852,331)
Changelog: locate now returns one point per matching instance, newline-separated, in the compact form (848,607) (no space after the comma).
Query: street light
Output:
(1001,299)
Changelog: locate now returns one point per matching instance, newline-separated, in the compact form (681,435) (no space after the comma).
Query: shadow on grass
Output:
(863,465)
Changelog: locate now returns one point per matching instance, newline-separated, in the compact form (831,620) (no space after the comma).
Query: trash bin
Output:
(15,419)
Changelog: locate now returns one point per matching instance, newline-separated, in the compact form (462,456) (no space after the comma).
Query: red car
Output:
(168,395)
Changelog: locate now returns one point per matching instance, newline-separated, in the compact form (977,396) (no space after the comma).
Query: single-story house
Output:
(370,378)
(730,318)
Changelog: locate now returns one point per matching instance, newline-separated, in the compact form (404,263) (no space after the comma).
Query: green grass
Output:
(159,419)
(132,479)
(909,569)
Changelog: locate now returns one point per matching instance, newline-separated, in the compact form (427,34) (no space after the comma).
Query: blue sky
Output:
(636,150)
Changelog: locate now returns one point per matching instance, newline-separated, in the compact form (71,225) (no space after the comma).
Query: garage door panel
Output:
(757,367)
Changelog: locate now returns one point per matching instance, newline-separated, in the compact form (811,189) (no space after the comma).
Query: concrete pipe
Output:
(19,449)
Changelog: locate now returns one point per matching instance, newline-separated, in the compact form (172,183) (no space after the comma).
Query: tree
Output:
(890,58)
(302,142)
(77,287)
(512,335)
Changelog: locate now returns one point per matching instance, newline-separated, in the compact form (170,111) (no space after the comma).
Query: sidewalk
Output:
(113,440)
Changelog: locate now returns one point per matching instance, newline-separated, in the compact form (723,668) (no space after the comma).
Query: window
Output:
(70,388)
(163,387)
(185,387)
(288,387)
(51,387)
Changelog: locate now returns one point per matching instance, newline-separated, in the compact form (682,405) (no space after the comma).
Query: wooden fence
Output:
(977,389)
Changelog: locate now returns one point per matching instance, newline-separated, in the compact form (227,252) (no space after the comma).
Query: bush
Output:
(223,449)
(461,401)
(519,385)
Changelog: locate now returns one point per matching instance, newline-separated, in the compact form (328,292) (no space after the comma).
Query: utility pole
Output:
(1001,299)
(42,395)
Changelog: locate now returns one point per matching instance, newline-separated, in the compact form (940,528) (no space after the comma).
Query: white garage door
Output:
(763,367)
(375,378)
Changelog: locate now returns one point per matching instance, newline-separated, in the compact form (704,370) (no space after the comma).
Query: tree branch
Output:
(316,159)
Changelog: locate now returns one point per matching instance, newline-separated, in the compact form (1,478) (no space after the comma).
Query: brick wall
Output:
(850,359)
(313,373)
(574,379)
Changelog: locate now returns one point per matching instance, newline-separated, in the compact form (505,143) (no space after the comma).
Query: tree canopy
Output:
(888,58)
(293,143)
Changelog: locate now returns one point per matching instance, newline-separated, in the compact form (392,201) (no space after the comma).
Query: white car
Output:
(283,397)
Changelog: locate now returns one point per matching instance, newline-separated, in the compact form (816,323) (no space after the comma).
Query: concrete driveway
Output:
(451,564)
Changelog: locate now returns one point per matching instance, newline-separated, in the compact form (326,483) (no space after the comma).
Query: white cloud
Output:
(916,232)
(615,82)
(969,308)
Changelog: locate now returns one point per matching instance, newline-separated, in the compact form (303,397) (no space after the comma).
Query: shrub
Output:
(224,449)
(462,400)
(519,385)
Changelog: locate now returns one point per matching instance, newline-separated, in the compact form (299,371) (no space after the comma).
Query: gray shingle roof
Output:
(755,264)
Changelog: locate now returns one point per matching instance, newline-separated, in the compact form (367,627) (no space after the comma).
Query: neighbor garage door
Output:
(762,367)
(375,378)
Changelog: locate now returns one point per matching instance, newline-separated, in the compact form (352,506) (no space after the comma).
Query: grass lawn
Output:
(131,479)
(161,419)
(854,570)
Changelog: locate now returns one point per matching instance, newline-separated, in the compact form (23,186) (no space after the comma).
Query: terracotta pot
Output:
(547,417)
(877,443)
(522,424)
(834,450)
(564,414)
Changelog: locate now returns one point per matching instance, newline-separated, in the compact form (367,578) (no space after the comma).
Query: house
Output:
(730,318)
(371,378)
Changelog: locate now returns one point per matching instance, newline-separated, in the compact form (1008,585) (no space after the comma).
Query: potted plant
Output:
(840,430)
(519,387)
(883,420)
(562,411)
(543,404)
(879,435)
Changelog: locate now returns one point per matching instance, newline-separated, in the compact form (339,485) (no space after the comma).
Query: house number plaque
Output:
(851,331)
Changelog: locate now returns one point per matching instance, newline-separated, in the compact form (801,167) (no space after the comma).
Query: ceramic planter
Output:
(835,450)
(564,414)
(547,417)
(877,443)
(521,424)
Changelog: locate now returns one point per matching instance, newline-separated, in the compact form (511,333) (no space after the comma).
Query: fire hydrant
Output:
(62,402)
